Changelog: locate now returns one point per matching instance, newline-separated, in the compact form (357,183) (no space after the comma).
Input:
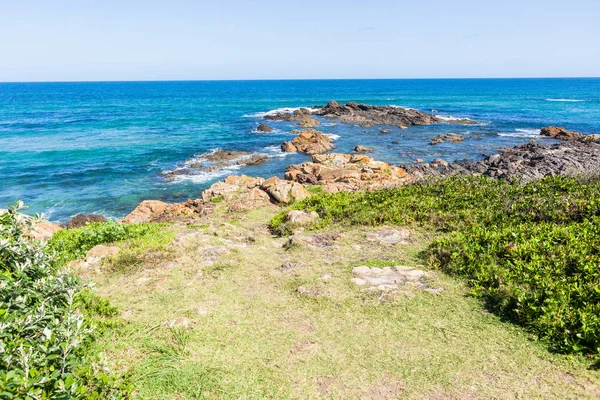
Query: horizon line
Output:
(298,79)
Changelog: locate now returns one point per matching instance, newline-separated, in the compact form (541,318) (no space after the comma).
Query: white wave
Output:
(404,108)
(206,176)
(275,152)
(567,100)
(333,136)
(276,111)
(522,133)
(449,118)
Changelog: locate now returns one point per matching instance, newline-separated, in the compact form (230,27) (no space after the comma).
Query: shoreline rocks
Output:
(561,133)
(344,172)
(527,161)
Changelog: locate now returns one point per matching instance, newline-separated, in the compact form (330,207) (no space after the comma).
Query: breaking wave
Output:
(288,110)
(522,133)
(567,100)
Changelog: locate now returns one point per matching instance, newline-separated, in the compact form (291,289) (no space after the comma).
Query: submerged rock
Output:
(447,137)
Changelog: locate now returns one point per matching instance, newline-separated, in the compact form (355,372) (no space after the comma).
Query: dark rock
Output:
(367,116)
(526,161)
(264,128)
(82,220)
(362,149)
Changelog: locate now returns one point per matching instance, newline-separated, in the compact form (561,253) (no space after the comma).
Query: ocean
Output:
(102,147)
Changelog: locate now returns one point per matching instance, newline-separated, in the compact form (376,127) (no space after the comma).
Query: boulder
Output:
(146,211)
(264,128)
(285,192)
(298,217)
(309,141)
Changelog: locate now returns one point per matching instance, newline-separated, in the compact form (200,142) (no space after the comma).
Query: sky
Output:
(87,40)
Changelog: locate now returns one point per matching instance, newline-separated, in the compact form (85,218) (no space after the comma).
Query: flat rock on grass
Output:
(389,278)
(390,236)
(320,240)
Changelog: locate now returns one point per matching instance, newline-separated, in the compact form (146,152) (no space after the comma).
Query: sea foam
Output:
(567,100)
(276,111)
(522,133)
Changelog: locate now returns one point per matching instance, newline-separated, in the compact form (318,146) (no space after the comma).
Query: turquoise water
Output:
(68,148)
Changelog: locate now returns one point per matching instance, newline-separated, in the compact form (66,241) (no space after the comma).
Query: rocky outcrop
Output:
(447,137)
(82,220)
(561,133)
(309,141)
(527,161)
(264,128)
(345,172)
(366,115)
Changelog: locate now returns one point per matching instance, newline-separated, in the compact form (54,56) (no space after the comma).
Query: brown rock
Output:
(308,123)
(560,133)
(449,137)
(288,147)
(309,141)
(146,211)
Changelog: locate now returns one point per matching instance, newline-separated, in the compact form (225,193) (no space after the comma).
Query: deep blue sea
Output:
(68,148)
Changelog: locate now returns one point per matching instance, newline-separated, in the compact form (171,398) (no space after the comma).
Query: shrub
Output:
(43,333)
(71,244)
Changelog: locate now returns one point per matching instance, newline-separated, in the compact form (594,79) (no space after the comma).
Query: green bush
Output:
(71,244)
(43,333)
(530,250)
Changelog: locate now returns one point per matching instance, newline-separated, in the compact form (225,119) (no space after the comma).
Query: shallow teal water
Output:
(68,148)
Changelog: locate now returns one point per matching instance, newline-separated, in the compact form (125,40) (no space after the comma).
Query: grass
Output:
(530,250)
(253,335)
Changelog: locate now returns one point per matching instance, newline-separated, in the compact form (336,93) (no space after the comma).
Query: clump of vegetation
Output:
(71,244)
(530,250)
(44,334)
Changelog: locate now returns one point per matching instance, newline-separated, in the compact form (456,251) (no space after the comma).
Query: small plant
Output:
(43,332)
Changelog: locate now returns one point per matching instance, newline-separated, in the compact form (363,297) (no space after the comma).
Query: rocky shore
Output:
(527,161)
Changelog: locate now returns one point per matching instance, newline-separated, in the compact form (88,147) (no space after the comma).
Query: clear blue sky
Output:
(43,40)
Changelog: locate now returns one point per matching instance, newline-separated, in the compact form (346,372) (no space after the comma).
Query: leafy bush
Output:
(43,333)
(531,250)
(71,244)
